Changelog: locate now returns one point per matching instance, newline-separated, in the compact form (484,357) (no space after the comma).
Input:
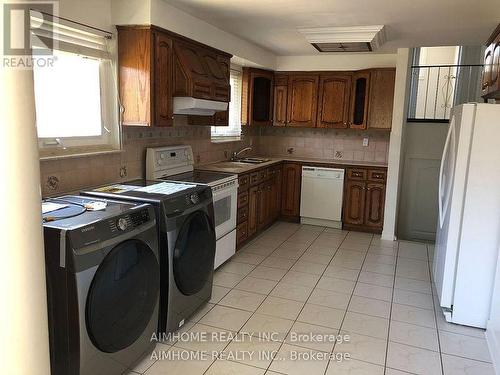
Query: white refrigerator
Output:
(468,231)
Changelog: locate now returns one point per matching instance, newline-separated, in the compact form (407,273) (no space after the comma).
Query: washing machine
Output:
(103,283)
(187,241)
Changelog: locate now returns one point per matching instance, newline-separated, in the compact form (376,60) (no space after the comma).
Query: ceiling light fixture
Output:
(345,38)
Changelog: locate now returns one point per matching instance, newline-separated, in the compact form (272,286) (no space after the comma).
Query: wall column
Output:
(396,144)
(24,339)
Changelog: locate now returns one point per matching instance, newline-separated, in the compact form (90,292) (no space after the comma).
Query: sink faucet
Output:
(235,155)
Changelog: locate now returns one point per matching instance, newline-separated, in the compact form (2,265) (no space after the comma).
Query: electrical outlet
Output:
(365,142)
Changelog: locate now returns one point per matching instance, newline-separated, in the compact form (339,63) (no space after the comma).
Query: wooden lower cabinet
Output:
(259,202)
(364,199)
(253,207)
(374,204)
(290,193)
(354,202)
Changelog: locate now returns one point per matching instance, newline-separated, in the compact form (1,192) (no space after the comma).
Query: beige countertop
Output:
(239,168)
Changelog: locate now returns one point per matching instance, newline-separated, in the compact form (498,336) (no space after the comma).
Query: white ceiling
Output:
(272,24)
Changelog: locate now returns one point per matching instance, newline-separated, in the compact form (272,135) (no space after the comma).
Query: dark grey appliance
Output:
(185,218)
(102,271)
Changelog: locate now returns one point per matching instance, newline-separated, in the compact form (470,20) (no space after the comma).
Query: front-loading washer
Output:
(103,283)
(187,241)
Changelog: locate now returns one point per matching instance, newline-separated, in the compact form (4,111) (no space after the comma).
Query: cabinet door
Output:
(263,206)
(253,208)
(374,207)
(290,190)
(488,64)
(333,103)
(163,60)
(359,100)
(280,105)
(381,98)
(275,198)
(495,68)
(354,202)
(302,100)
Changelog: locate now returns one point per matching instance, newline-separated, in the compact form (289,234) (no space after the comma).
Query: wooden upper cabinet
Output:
(135,51)
(280,98)
(490,86)
(302,100)
(200,72)
(333,102)
(256,97)
(381,98)
(163,60)
(359,99)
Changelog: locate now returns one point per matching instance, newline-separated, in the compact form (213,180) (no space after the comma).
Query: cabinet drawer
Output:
(263,175)
(242,199)
(242,214)
(242,232)
(243,182)
(356,174)
(254,178)
(376,175)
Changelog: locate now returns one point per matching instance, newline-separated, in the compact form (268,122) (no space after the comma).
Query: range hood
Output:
(185,105)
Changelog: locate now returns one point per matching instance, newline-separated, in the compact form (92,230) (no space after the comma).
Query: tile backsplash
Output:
(72,174)
(330,144)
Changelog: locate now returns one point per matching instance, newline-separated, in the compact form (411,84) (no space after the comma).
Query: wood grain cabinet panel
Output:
(490,85)
(253,208)
(364,199)
(374,205)
(354,202)
(290,191)
(163,60)
(257,97)
(333,103)
(359,99)
(381,98)
(280,99)
(302,100)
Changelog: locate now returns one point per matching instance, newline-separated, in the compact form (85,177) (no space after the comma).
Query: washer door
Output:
(122,296)
(194,253)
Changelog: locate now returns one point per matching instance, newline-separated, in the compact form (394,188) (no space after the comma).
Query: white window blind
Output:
(234,128)
(76,98)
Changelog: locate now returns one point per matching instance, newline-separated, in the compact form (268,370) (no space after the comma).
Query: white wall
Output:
(396,144)
(159,13)
(96,13)
(356,61)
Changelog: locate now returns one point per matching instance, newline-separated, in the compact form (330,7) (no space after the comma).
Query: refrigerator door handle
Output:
(441,169)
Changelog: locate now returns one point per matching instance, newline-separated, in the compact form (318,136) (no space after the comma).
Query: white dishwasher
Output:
(321,196)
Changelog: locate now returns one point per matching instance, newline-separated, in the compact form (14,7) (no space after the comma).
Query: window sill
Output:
(226,139)
(58,155)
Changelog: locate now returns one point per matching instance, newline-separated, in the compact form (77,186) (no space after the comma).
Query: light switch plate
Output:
(365,142)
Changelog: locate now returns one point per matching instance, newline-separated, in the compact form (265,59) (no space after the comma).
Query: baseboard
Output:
(321,222)
(493,340)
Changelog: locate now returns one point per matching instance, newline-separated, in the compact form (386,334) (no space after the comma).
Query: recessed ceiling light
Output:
(345,39)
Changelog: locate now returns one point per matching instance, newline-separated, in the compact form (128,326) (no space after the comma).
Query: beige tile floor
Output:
(300,279)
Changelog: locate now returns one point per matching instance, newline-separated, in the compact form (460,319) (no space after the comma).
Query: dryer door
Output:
(194,253)
(122,296)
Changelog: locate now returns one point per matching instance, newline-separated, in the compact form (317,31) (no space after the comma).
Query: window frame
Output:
(233,131)
(75,39)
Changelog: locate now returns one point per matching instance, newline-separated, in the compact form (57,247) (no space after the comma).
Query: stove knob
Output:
(122,224)
(194,198)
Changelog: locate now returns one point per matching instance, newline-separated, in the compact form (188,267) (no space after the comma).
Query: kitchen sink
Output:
(252,160)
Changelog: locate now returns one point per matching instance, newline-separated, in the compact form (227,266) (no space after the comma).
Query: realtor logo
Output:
(28,31)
